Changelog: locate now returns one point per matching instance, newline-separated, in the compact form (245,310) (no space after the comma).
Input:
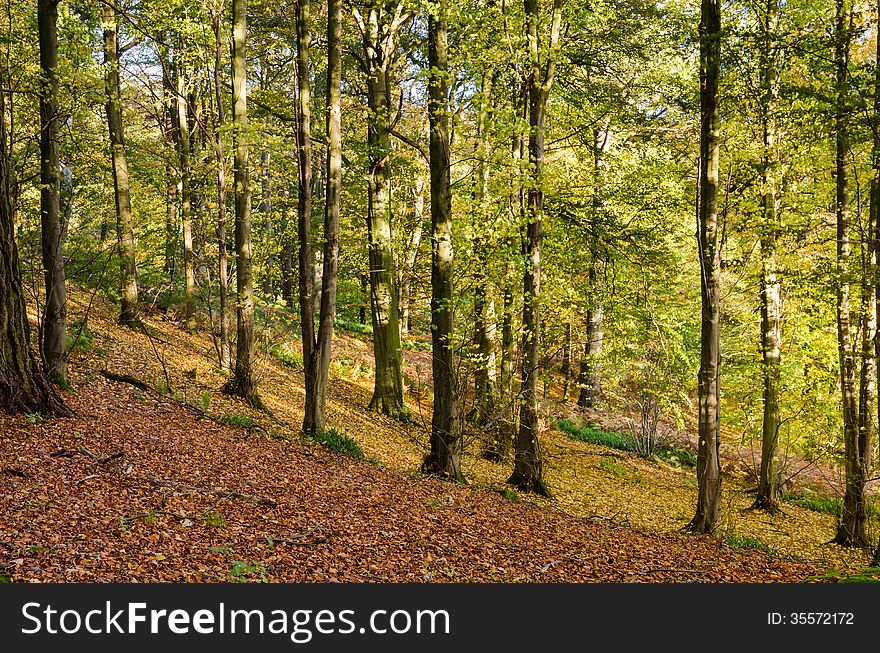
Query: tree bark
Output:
(332,204)
(24,385)
(485,376)
(171,180)
(265,208)
(590,374)
(304,212)
(444,458)
(528,474)
(851,529)
(243,384)
(222,256)
(379,31)
(128,314)
(54,324)
(769,478)
(708,449)
(409,264)
(184,150)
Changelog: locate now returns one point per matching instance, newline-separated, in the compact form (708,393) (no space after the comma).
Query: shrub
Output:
(286,357)
(81,339)
(242,421)
(340,443)
(247,572)
(671,454)
(748,542)
(595,435)
(353,327)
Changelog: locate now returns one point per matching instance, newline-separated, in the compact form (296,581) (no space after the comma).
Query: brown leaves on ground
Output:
(138,487)
(191,500)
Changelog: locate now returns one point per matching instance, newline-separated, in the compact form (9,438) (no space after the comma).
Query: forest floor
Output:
(182,482)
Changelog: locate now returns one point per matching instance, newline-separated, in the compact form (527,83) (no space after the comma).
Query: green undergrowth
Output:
(340,443)
(668,453)
(868,575)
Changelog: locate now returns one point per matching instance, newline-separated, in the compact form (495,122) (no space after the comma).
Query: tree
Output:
(528,466)
(304,208)
(243,383)
(319,362)
(54,325)
(128,314)
(444,458)
(222,256)
(183,137)
(851,528)
(485,376)
(771,310)
(708,449)
(379,28)
(590,377)
(24,385)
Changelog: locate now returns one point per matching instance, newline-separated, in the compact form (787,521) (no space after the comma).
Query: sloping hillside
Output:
(182,482)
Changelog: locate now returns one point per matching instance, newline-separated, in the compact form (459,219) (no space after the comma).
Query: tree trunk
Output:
(769,478)
(412,252)
(851,529)
(505,434)
(444,458)
(868,372)
(24,386)
(54,324)
(222,257)
(128,314)
(243,384)
(379,36)
(304,212)
(171,180)
(565,367)
(875,223)
(485,376)
(528,474)
(708,450)
(590,375)
(266,209)
(332,204)
(184,150)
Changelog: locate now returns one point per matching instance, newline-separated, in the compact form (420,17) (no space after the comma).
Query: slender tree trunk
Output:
(528,474)
(769,478)
(868,374)
(332,204)
(304,212)
(444,458)
(565,367)
(54,324)
(851,528)
(222,256)
(379,35)
(128,314)
(243,383)
(184,151)
(590,375)
(266,209)
(504,436)
(875,223)
(24,385)
(171,179)
(412,252)
(485,376)
(708,450)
